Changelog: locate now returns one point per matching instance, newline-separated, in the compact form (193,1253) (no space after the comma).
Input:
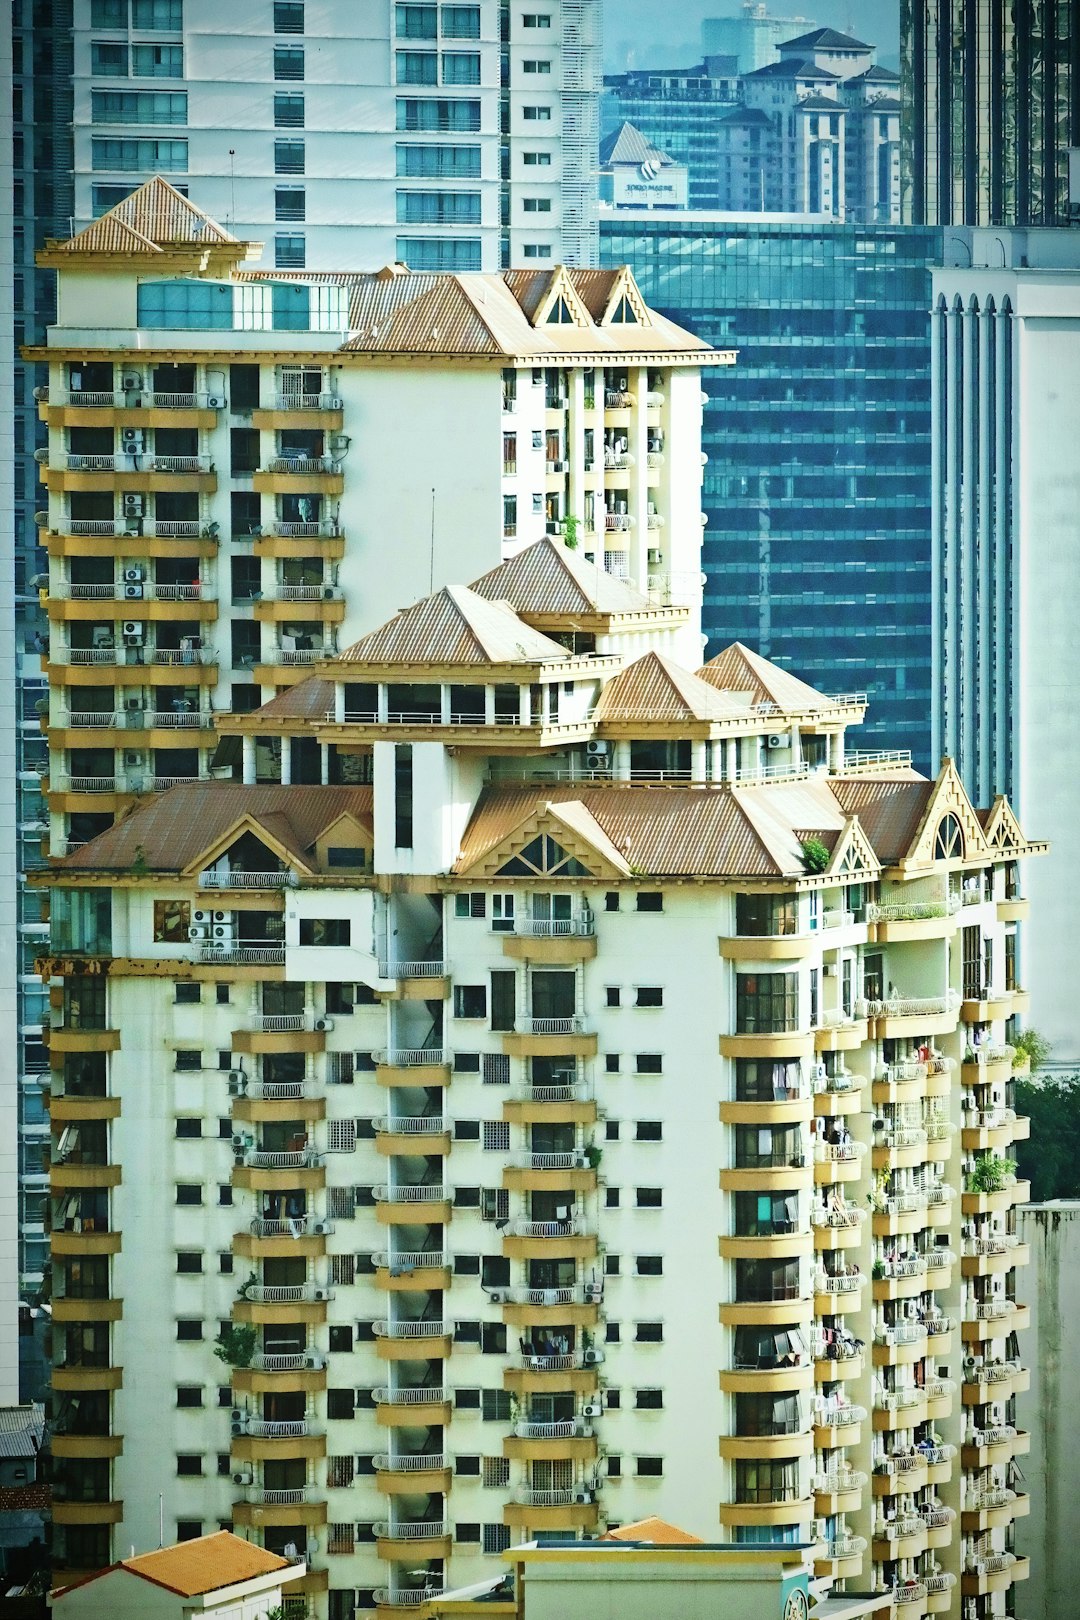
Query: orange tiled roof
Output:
(737,669)
(547,580)
(658,1531)
(151,219)
(655,688)
(455,626)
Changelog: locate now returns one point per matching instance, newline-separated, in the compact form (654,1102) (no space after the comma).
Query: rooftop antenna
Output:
(232,185)
(161,1519)
(431,550)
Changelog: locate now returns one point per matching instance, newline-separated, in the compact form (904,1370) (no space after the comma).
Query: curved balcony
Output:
(294,1226)
(285,1294)
(837,1423)
(407,1261)
(293,1361)
(842,1549)
(569,1429)
(412,1396)
(257,1428)
(405,1597)
(574,1227)
(420,1193)
(294,1159)
(909,1596)
(413,1331)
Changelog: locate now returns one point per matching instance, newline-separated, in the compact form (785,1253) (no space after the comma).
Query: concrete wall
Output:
(1051,1286)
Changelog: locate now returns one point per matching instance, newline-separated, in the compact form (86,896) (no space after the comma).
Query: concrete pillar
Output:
(524,705)
(620,763)
(444,704)
(247,746)
(731,761)
(836,751)
(324,764)
(489,705)
(286,761)
(381,703)
(339,701)
(699,761)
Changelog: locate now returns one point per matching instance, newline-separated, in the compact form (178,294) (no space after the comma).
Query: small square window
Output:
(613,996)
(611,1333)
(290,202)
(649,900)
(649,1400)
(614,1466)
(187,992)
(650,1467)
(496,1136)
(288,110)
(189,1395)
(496,1538)
(649,1130)
(189,1192)
(611,1265)
(466,1063)
(467,1467)
(187,1128)
(224,1194)
(341,1339)
(188,1529)
(225,1263)
(611,900)
(188,1060)
(189,1262)
(188,1329)
(649,1333)
(221,995)
(288,17)
(611,1130)
(288,62)
(470,1001)
(649,995)
(470,905)
(290,252)
(289,157)
(611,1062)
(496,1472)
(650,1063)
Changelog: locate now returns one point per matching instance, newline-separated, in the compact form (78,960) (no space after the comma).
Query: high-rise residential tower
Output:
(991,93)
(450,136)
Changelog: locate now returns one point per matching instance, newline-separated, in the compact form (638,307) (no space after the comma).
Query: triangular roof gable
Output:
(546,579)
(247,823)
(853,855)
(349,823)
(560,286)
(947,797)
(739,669)
(1001,829)
(624,286)
(153,217)
(656,688)
(572,828)
(454,626)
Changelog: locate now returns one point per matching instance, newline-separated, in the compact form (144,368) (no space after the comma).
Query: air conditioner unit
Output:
(133,593)
(581,1161)
(594,1291)
(221,916)
(236,1428)
(215,402)
(239,1141)
(592,1358)
(499,1296)
(135,628)
(654,557)
(132,576)
(320,1293)
(320,1228)
(130,380)
(821,1530)
(829,970)
(201,915)
(597,750)
(134,505)
(237,1083)
(583,1498)
(223,932)
(132,439)
(777,740)
(132,756)
(134,706)
(198,932)
(243,1477)
(592,1409)
(324,1025)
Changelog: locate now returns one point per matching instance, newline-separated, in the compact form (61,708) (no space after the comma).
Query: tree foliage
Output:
(1050,1160)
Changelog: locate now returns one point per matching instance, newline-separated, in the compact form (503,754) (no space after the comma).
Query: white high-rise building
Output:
(451,136)
(1006,525)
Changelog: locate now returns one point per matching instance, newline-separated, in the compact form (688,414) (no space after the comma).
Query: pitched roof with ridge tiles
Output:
(548,579)
(173,828)
(455,626)
(656,1531)
(739,669)
(152,219)
(824,39)
(204,1564)
(655,688)
(803,68)
(628,145)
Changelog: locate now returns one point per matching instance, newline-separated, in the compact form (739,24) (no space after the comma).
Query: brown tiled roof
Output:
(546,579)
(738,669)
(152,218)
(889,808)
(657,1531)
(655,688)
(204,1564)
(307,700)
(455,626)
(173,828)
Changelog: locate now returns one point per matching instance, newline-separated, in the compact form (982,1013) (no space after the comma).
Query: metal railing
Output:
(406,1596)
(307,402)
(411,1395)
(911,910)
(839,1417)
(412,1330)
(434,969)
(291,1361)
(306,1158)
(411,1529)
(410,1462)
(845,1547)
(411,1260)
(412,1057)
(243,952)
(279,1023)
(285,1293)
(303,464)
(329,529)
(568,1429)
(412,1124)
(425,1193)
(540,1499)
(550,1161)
(582,926)
(264,1429)
(574,1025)
(909,1006)
(574,1227)
(248,880)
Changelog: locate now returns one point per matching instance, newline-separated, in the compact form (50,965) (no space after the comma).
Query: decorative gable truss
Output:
(560,841)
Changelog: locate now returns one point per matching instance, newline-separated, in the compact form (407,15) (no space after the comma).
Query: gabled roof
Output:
(792,69)
(824,39)
(547,579)
(821,104)
(655,688)
(738,669)
(875,75)
(151,220)
(312,699)
(753,116)
(656,1531)
(170,830)
(204,1564)
(454,626)
(628,145)
(889,809)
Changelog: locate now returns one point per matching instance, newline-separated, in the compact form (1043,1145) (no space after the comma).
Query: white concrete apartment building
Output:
(594,1100)
(347,135)
(1006,526)
(247,469)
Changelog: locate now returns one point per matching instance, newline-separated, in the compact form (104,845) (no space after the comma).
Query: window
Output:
(450,117)
(649,1467)
(510,512)
(536,160)
(138,107)
(188,1192)
(537,19)
(188,1127)
(187,993)
(466,1063)
(158,16)
(288,62)
(290,253)
(760,1480)
(496,1136)
(612,1062)
(496,1538)
(766,914)
(461,22)
(289,157)
(157,61)
(649,1130)
(461,67)
(325,931)
(649,1063)
(189,1060)
(108,13)
(189,1261)
(649,1400)
(438,207)
(767,1080)
(537,250)
(496,1472)
(537,205)
(470,905)
(537,115)
(417,67)
(403,795)
(764,1214)
(439,252)
(611,1130)
(536,66)
(612,996)
(109,59)
(766,1003)
(495,1405)
(649,995)
(290,202)
(649,900)
(496,1069)
(649,1333)
(650,1265)
(417,22)
(494,1204)
(288,17)
(172,919)
(611,1198)
(340,1403)
(288,110)
(470,1001)
(188,1464)
(948,840)
(189,1395)
(188,1329)
(650,1197)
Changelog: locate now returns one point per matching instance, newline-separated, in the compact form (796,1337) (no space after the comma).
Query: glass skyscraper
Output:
(817,486)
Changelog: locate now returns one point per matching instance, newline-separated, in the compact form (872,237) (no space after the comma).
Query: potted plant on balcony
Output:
(235,1344)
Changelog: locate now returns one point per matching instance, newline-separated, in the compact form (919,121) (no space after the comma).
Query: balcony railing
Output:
(837,1219)
(939,1583)
(412,1330)
(412,1124)
(909,1006)
(291,1361)
(911,910)
(293,1429)
(411,1529)
(307,402)
(301,465)
(290,1159)
(550,1161)
(997,1436)
(835,1481)
(248,880)
(294,1226)
(575,1091)
(411,1395)
(845,1547)
(996,1496)
(413,1057)
(552,1363)
(550,1026)
(831,1416)
(242,951)
(569,1429)
(542,1499)
(405,1597)
(429,969)
(909,1592)
(413,1193)
(574,1227)
(144,462)
(407,1260)
(581,926)
(276,1090)
(285,1293)
(281,1498)
(990,1563)
(578,1295)
(329,529)
(280,1023)
(411,1462)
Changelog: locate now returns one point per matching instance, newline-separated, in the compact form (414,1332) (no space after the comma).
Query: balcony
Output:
(412,1538)
(413,1472)
(289,1362)
(404,1597)
(303,466)
(285,1294)
(412,1133)
(243,952)
(296,1226)
(305,1158)
(404,1262)
(415,1399)
(257,1428)
(124,462)
(549,1026)
(248,880)
(427,969)
(414,1331)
